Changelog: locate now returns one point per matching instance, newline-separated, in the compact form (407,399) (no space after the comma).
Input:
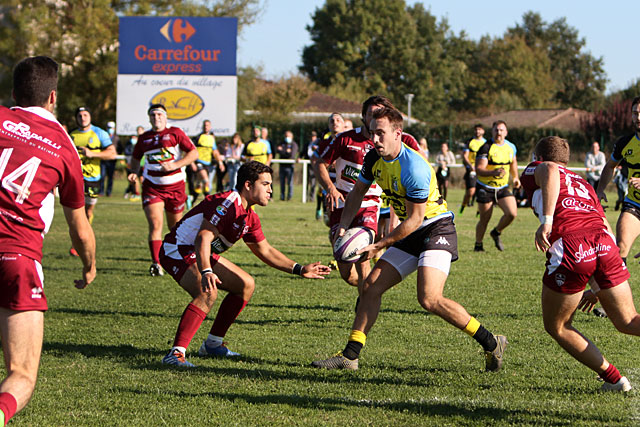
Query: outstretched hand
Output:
(542,237)
(315,271)
(588,301)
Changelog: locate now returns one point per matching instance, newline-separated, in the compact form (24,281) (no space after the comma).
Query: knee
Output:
(350,276)
(553,329)
(248,287)
(430,303)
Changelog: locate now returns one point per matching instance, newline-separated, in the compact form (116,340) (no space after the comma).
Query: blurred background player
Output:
(93,145)
(207,162)
(191,254)
(258,149)
(495,161)
(132,191)
(30,172)
(166,151)
(444,159)
(626,148)
(580,249)
(336,126)
(108,167)
(469,160)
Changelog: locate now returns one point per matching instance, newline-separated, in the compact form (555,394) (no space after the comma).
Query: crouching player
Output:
(425,241)
(191,254)
(577,239)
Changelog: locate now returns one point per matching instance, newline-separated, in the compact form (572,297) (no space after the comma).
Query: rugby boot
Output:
(336,362)
(493,359)
(622,385)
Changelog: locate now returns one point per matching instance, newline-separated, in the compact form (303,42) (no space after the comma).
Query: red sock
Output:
(190,321)
(8,406)
(611,375)
(154,247)
(229,310)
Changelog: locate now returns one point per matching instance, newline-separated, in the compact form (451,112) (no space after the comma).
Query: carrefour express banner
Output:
(186,63)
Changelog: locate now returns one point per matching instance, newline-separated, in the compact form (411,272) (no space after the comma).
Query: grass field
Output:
(103,345)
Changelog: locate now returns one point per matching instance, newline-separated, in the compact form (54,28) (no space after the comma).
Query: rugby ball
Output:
(352,241)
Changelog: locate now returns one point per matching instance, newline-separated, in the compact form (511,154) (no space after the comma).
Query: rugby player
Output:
(495,161)
(191,254)
(36,156)
(469,160)
(208,160)
(347,151)
(626,148)
(425,240)
(577,239)
(167,150)
(94,145)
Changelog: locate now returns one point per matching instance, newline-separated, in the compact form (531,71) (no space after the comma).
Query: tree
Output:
(83,37)
(580,77)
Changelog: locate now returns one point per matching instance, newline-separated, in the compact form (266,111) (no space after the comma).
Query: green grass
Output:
(103,345)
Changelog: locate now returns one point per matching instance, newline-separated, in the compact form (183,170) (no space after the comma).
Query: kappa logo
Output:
(560,279)
(442,241)
(177,31)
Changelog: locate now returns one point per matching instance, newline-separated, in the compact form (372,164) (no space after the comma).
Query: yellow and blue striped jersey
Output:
(96,140)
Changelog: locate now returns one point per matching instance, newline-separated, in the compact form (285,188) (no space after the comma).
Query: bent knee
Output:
(431,304)
(248,287)
(351,276)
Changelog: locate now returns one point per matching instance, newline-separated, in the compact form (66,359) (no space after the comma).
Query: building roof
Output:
(564,119)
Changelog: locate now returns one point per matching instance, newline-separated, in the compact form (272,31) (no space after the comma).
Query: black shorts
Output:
(632,209)
(442,175)
(439,235)
(469,181)
(488,195)
(91,189)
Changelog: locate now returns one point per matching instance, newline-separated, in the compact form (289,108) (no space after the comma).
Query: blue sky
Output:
(276,41)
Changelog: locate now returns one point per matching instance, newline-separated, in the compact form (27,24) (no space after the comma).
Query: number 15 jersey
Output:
(577,210)
(36,155)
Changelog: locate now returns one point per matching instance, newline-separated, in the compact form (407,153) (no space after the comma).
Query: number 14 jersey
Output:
(577,210)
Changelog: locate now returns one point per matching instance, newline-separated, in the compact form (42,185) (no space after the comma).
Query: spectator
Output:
(288,150)
(222,170)
(424,147)
(594,162)
(444,158)
(311,147)
(233,159)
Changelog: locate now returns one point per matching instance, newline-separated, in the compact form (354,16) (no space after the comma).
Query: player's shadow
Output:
(87,312)
(483,415)
(124,352)
(299,307)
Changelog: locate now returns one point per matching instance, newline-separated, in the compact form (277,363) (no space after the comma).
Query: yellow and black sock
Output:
(479,333)
(357,340)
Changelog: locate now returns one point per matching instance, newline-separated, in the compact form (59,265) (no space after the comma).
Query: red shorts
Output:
(366,217)
(573,259)
(173,196)
(176,261)
(21,283)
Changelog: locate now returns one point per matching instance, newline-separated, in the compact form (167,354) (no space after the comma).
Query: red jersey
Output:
(347,150)
(36,155)
(161,147)
(226,213)
(577,210)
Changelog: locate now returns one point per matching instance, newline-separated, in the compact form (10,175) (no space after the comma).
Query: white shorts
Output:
(405,263)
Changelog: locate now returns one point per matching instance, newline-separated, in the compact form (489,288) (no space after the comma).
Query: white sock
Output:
(180,349)
(214,341)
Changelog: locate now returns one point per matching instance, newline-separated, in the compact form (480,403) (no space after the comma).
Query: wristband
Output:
(297,269)
(546,219)
(206,271)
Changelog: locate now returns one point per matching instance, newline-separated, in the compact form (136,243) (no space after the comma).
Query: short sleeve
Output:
(366,173)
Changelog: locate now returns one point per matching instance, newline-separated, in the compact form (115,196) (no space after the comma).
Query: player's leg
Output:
(485,209)
(557,315)
(173,218)
(618,303)
(22,344)
(509,212)
(154,213)
(240,287)
(382,277)
(627,230)
(433,270)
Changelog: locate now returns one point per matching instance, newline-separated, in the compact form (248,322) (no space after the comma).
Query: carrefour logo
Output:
(176,31)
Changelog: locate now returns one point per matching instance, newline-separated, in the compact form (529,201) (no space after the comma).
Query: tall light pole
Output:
(409,98)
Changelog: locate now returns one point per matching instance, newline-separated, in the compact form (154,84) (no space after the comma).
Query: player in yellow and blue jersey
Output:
(425,241)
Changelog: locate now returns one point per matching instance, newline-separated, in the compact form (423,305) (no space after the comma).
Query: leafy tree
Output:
(83,37)
(607,124)
(580,77)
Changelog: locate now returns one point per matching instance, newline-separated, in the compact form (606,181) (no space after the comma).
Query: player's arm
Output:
(134,166)
(605,178)
(513,169)
(84,242)
(481,168)
(547,177)
(189,158)
(465,160)
(269,158)
(276,259)
(352,205)
(108,153)
(218,158)
(321,170)
(207,233)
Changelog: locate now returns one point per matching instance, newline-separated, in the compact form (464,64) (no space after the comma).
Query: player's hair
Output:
(478,125)
(553,149)
(251,171)
(499,122)
(635,102)
(34,79)
(376,100)
(336,114)
(156,107)
(391,114)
